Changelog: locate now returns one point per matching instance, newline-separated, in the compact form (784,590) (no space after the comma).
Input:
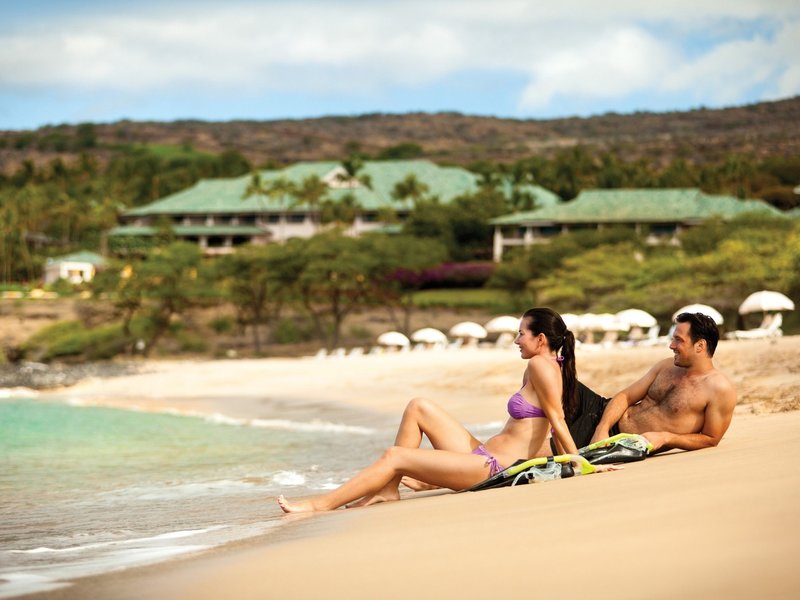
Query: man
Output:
(683,402)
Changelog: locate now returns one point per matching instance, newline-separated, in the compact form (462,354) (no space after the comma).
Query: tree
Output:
(149,294)
(410,188)
(279,190)
(399,272)
(258,283)
(312,192)
(342,211)
(352,166)
(334,279)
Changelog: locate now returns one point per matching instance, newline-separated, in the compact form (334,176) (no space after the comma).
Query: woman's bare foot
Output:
(299,506)
(417,485)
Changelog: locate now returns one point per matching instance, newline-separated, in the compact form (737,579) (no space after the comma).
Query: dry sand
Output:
(722,522)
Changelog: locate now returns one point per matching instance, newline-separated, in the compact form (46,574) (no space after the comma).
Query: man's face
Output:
(682,346)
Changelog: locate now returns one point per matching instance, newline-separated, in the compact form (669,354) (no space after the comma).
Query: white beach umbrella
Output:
(609,322)
(468,329)
(588,322)
(703,309)
(429,335)
(765,300)
(571,320)
(504,324)
(393,338)
(635,317)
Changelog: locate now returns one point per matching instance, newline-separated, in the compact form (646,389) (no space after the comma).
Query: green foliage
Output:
(71,340)
(398,271)
(222,324)
(258,281)
(167,282)
(496,300)
(721,263)
(287,331)
(401,151)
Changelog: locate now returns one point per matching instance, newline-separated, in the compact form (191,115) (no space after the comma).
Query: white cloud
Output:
(614,64)
(588,49)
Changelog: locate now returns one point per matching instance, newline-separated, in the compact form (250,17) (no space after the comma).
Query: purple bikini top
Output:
(519,408)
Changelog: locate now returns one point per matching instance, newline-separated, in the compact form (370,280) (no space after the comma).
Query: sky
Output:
(74,61)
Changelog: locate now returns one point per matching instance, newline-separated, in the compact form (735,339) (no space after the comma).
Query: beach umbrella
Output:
(571,320)
(393,338)
(765,300)
(703,309)
(504,324)
(636,317)
(609,322)
(468,329)
(588,322)
(429,335)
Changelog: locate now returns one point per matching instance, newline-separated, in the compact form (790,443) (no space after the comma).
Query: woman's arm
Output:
(546,382)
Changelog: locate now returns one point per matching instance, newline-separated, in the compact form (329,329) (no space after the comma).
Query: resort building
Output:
(659,214)
(218,214)
(75,268)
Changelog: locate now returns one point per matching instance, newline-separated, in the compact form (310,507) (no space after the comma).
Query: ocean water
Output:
(87,490)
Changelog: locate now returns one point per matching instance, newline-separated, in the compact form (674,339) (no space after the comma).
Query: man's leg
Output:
(587,416)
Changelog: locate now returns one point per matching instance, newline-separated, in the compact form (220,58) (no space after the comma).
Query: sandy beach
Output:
(721,522)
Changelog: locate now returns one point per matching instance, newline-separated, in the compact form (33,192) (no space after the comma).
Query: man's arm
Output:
(718,415)
(627,397)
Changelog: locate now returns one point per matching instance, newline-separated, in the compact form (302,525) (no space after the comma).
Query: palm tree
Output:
(352,165)
(410,187)
(312,192)
(277,189)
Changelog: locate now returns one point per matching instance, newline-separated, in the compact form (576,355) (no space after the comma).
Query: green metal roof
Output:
(189,230)
(226,196)
(639,206)
(83,256)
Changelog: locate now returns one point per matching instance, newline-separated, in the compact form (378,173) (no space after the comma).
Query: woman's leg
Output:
(455,470)
(445,433)
(426,417)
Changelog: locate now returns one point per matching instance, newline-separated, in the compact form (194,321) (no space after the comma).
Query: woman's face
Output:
(527,341)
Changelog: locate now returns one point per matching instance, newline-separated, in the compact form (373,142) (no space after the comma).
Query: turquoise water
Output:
(85,490)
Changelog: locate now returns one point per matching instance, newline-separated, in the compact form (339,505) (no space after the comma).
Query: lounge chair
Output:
(773,329)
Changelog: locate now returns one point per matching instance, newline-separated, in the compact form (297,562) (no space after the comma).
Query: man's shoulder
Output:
(720,383)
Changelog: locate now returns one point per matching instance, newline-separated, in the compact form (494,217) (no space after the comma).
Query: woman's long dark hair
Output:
(560,339)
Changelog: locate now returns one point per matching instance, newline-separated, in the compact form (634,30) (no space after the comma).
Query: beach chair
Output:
(652,338)
(773,329)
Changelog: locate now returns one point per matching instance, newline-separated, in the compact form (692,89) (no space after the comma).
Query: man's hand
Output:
(599,434)
(657,438)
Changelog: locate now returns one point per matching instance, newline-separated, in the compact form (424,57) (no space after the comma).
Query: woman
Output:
(459,460)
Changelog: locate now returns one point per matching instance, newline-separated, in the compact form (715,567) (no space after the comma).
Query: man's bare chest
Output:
(674,392)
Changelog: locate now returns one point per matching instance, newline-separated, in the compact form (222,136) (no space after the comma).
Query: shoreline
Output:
(723,518)
(367,390)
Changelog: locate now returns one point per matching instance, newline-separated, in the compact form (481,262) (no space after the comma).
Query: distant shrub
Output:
(105,342)
(222,324)
(360,333)
(458,275)
(287,331)
(191,342)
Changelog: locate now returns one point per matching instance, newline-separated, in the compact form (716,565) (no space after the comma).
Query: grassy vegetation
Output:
(492,299)
(171,151)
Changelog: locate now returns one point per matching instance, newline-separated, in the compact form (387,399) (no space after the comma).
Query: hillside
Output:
(764,129)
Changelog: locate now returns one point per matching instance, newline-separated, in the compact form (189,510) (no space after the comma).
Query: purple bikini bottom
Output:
(491,461)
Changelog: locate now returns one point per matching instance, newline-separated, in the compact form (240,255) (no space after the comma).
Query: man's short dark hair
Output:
(701,327)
